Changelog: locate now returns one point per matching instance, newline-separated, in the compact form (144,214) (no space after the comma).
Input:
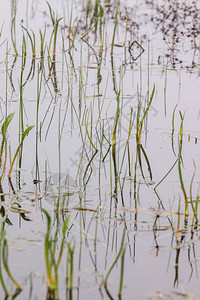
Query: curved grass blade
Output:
(5,263)
(85,123)
(4,128)
(180,141)
(25,133)
(140,124)
(115,260)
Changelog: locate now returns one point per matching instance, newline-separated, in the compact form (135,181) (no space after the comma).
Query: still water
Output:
(92,77)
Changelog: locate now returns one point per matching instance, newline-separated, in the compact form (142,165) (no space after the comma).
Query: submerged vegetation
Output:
(99,174)
(4,265)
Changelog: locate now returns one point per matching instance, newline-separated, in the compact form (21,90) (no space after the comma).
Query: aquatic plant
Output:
(70,265)
(33,47)
(12,31)
(52,65)
(114,144)
(42,48)
(121,252)
(114,33)
(79,131)
(24,134)
(140,151)
(52,264)
(140,120)
(4,266)
(180,142)
(4,128)
(175,20)
(101,13)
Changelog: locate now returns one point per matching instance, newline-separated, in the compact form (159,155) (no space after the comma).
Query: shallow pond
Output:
(102,195)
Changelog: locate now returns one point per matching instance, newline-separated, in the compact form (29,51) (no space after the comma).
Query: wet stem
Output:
(179,163)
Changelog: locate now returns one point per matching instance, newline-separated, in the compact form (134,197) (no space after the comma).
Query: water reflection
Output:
(85,84)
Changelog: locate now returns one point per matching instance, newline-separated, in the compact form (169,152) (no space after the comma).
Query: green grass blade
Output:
(25,133)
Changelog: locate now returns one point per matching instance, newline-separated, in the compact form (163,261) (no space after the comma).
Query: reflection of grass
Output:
(114,32)
(70,266)
(50,248)
(121,252)
(4,257)
(73,91)
(12,31)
